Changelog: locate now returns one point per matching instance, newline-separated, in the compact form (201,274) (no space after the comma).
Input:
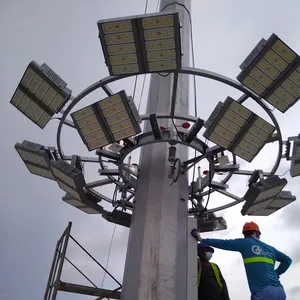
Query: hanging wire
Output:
(109,251)
(142,92)
(112,238)
(284,173)
(134,87)
(194,82)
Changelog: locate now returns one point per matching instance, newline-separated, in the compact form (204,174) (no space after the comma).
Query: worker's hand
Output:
(196,234)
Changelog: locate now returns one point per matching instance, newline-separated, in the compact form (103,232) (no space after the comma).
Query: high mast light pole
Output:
(152,198)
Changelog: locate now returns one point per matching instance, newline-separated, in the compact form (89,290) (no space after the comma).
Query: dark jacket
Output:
(208,288)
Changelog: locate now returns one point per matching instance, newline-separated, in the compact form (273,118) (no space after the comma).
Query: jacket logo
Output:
(257,250)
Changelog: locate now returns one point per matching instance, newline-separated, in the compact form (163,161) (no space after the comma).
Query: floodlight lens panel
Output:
(258,133)
(27,77)
(44,119)
(123,59)
(107,112)
(97,144)
(277,102)
(35,83)
(280,203)
(36,159)
(259,206)
(90,128)
(268,69)
(40,171)
(275,60)
(124,134)
(284,51)
(87,121)
(269,194)
(291,88)
(261,77)
(67,189)
(250,138)
(160,33)
(159,21)
(229,125)
(42,90)
(160,45)
(57,102)
(24,103)
(50,94)
(284,95)
(121,38)
(295,77)
(264,125)
(242,153)
(162,66)
(63,177)
(161,55)
(30,109)
(121,49)
(221,131)
(240,109)
(94,136)
(125,69)
(17,97)
(115,27)
(248,147)
(121,116)
(219,140)
(121,126)
(235,118)
(254,85)
(263,212)
(82,113)
(110,101)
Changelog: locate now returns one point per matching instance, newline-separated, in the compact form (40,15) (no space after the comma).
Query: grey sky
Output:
(64,35)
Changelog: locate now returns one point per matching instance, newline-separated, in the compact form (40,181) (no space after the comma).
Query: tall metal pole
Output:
(156,262)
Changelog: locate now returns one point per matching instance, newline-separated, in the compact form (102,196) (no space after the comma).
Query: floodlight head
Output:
(87,206)
(270,206)
(272,71)
(210,222)
(237,129)
(36,158)
(40,94)
(107,121)
(69,176)
(295,160)
(261,194)
(118,217)
(141,44)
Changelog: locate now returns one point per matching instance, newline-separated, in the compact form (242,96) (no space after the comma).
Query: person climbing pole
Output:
(259,260)
(211,283)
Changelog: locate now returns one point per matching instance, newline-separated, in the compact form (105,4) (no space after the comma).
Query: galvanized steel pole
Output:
(156,262)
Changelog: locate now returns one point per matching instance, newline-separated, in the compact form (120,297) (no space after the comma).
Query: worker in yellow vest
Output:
(211,284)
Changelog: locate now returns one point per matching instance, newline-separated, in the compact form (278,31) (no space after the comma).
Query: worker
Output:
(259,260)
(211,284)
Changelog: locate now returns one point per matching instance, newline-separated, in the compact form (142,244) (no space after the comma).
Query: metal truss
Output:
(116,171)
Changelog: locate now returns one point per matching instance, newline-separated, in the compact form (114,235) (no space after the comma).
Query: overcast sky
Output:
(64,35)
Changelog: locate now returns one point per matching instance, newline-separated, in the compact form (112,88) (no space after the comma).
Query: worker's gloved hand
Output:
(196,234)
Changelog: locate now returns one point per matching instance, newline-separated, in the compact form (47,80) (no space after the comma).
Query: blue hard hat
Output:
(202,246)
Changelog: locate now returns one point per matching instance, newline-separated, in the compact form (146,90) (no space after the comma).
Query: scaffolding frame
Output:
(55,284)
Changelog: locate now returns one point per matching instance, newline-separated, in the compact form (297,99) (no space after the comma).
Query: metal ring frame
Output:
(196,144)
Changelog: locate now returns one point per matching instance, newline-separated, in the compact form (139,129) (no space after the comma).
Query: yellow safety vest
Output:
(217,275)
